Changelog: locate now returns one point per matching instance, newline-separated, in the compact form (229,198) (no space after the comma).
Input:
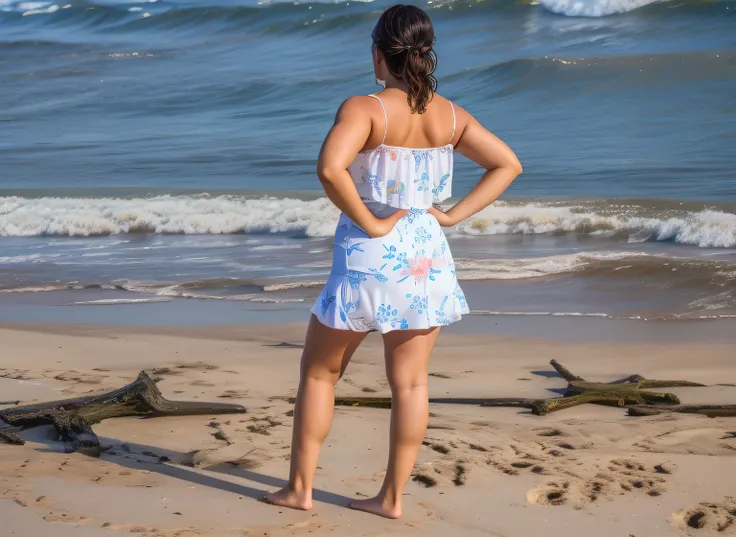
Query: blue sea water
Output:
(165,150)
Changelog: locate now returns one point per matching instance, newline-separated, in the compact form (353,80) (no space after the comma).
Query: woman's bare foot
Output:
(289,498)
(377,506)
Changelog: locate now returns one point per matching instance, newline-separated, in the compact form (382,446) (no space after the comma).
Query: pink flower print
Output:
(392,152)
(418,267)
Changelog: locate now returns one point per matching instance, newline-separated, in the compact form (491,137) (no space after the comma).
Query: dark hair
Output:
(406,37)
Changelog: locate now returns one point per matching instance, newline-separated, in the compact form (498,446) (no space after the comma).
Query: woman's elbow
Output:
(512,168)
(328,174)
(515,166)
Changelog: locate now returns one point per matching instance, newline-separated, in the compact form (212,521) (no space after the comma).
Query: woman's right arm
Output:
(346,138)
(489,152)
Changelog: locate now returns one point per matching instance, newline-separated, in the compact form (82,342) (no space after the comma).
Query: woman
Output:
(386,161)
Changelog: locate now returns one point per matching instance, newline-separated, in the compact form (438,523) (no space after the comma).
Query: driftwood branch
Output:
(8,434)
(627,392)
(370,402)
(712,411)
(564,372)
(73,418)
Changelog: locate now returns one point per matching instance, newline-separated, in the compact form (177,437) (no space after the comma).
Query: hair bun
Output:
(406,37)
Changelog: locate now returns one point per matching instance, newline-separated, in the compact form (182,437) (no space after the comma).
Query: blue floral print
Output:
(441,186)
(420,155)
(419,304)
(414,213)
(376,182)
(352,248)
(422,182)
(348,309)
(385,312)
(421,235)
(440,313)
(327,302)
(355,278)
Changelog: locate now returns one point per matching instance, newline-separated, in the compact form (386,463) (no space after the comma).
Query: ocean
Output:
(157,158)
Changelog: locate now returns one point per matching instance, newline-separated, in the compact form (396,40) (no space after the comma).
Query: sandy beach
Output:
(586,471)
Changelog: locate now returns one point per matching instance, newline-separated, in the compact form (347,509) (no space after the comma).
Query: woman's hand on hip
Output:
(444,219)
(380,227)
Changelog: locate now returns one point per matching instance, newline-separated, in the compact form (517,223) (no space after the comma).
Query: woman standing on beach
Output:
(386,162)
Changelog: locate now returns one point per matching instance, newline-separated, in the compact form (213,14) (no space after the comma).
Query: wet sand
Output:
(585,471)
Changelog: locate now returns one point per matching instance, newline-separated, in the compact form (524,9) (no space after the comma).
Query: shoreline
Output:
(216,317)
(586,469)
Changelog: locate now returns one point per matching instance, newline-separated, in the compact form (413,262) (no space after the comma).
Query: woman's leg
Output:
(327,352)
(407,361)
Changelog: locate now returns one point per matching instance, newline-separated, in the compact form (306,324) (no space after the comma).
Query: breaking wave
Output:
(212,215)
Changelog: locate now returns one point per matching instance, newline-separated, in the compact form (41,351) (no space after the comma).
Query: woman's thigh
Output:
(407,355)
(327,351)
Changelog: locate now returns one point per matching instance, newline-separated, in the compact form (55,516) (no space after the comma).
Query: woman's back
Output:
(407,162)
(400,127)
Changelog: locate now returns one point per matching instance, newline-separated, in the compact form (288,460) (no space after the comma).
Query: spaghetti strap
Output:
(454,121)
(385,116)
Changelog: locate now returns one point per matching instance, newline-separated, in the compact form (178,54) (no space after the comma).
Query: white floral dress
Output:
(404,280)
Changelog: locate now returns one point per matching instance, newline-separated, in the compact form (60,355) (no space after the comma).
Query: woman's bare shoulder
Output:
(358,104)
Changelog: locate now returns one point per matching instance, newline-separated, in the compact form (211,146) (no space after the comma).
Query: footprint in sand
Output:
(74,376)
(549,432)
(551,493)
(621,477)
(163,371)
(534,468)
(16,374)
(632,475)
(438,472)
(203,383)
(234,394)
(720,517)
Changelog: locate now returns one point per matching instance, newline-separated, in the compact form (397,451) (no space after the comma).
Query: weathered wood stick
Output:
(657,398)
(633,379)
(72,417)
(646,383)
(509,402)
(7,434)
(629,391)
(712,411)
(545,406)
(139,398)
(76,433)
(7,403)
(370,402)
(384,402)
(564,372)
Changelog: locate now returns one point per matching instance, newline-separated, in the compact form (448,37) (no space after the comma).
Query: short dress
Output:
(406,279)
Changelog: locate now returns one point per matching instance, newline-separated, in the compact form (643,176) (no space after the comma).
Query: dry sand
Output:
(581,472)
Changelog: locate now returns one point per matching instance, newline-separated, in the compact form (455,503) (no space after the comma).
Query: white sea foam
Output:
(594,8)
(275,287)
(164,214)
(706,229)
(30,258)
(35,8)
(119,301)
(35,288)
(536,267)
(317,218)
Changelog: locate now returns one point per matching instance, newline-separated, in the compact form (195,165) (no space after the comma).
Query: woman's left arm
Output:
(346,138)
